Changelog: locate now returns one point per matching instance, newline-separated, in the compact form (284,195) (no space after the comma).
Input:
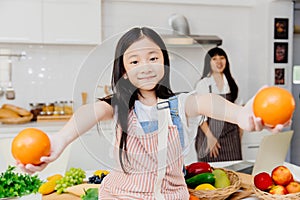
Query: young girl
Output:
(149,141)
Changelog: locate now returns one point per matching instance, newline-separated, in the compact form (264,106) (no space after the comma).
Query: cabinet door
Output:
(72,21)
(93,150)
(21,21)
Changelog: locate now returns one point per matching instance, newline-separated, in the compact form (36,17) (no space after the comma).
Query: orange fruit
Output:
(192,197)
(274,105)
(30,145)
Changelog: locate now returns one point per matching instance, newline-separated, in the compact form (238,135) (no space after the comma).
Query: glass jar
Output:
(68,107)
(48,108)
(59,108)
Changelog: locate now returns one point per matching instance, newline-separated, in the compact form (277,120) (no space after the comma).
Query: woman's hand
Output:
(57,147)
(213,146)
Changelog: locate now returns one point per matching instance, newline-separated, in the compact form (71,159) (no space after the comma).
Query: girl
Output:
(218,140)
(149,146)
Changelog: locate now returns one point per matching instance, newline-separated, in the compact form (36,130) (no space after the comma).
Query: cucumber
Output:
(199,179)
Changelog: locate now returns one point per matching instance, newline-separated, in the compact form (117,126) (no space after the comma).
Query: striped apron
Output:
(228,136)
(147,177)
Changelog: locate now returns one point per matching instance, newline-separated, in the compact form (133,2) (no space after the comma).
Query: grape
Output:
(96,179)
(73,176)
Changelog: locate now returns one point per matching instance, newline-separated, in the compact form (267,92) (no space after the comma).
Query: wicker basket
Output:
(219,193)
(267,196)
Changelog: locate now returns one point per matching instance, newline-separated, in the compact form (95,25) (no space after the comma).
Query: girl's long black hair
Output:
(125,93)
(207,70)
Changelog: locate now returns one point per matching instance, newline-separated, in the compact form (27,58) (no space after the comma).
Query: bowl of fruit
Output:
(208,183)
(279,184)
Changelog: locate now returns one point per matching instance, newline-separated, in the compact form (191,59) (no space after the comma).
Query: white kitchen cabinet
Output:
(93,150)
(251,142)
(50,21)
(71,21)
(21,21)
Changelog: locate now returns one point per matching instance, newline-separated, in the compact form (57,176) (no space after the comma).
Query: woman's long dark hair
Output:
(125,93)
(207,70)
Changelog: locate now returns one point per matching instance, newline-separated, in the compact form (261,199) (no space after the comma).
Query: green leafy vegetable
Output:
(13,184)
(90,194)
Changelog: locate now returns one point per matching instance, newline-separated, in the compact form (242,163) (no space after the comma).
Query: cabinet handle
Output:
(253,147)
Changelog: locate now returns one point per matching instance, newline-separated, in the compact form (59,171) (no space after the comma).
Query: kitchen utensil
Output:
(1,91)
(84,98)
(179,24)
(10,92)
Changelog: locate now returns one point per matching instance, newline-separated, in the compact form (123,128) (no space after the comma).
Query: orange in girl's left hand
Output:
(274,105)
(30,145)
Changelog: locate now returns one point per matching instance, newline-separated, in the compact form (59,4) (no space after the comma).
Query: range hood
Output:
(181,34)
(174,39)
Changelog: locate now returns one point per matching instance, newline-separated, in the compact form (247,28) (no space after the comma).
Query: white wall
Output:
(231,23)
(245,27)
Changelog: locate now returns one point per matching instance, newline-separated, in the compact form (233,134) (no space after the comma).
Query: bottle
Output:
(58,108)
(68,107)
(48,108)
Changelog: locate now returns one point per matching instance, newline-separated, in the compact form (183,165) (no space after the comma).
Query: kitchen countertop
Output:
(6,130)
(9,130)
(246,181)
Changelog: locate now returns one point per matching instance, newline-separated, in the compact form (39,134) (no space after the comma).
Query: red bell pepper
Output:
(198,168)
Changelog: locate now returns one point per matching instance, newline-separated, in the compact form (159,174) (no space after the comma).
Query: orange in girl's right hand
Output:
(274,105)
(30,145)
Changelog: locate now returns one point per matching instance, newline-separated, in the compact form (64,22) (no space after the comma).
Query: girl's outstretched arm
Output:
(82,120)
(217,107)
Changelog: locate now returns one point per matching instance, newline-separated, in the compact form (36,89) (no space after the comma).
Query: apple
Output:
(263,181)
(281,175)
(293,187)
(278,189)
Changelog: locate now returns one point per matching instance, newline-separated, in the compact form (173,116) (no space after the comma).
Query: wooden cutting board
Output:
(64,196)
(246,187)
(73,193)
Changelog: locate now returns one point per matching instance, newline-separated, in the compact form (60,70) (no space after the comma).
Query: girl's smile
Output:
(144,64)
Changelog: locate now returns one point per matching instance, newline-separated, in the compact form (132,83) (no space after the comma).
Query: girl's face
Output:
(144,64)
(218,64)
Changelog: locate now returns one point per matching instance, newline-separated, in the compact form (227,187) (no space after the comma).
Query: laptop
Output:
(271,153)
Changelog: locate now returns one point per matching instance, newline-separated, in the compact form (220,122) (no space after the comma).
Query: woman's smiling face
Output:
(218,64)
(144,64)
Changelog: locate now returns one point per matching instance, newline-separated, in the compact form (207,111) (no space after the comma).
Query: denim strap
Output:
(173,102)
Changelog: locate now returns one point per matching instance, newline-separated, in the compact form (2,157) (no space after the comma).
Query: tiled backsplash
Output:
(46,74)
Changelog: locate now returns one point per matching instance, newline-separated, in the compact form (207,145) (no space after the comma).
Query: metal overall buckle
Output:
(162,105)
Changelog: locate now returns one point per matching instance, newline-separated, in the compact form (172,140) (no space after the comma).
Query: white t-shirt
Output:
(190,125)
(203,87)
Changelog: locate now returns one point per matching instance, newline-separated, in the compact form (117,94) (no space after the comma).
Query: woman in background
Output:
(218,140)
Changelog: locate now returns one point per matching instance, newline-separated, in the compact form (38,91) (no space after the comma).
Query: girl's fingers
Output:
(35,168)
(258,124)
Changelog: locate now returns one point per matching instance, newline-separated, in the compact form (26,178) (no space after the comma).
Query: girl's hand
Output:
(247,121)
(57,147)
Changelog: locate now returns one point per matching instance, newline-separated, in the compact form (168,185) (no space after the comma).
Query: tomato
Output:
(274,105)
(30,145)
